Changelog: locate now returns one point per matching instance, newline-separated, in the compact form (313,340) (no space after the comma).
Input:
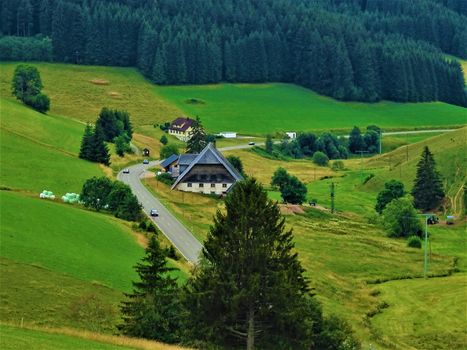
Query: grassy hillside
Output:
(15,338)
(267,108)
(81,91)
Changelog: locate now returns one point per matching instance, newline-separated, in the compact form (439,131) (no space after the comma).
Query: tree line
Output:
(365,50)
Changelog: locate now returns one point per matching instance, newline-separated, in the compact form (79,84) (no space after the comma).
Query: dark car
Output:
(251,143)
(154,212)
(145,161)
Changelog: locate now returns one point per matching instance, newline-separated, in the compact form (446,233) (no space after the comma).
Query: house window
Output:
(213,185)
(201,185)
(189,184)
(224,185)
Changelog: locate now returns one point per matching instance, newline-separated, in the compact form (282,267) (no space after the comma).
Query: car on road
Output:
(126,171)
(154,212)
(145,161)
(251,143)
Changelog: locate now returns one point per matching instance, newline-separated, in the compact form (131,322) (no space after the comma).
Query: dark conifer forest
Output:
(363,50)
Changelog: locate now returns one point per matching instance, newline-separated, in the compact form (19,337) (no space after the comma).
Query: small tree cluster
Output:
(26,86)
(113,196)
(321,159)
(93,147)
(291,188)
(400,219)
(428,192)
(116,127)
(167,150)
(392,190)
(368,142)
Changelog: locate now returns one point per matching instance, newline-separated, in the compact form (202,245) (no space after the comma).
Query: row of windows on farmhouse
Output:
(189,184)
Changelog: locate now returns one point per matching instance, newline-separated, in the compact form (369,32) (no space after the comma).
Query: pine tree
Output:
(152,310)
(24,19)
(269,145)
(86,151)
(197,140)
(100,149)
(428,192)
(250,284)
(356,141)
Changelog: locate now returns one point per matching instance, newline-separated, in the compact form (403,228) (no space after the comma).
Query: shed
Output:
(228,134)
(146,152)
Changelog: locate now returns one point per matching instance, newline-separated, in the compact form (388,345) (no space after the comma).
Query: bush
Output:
(164,140)
(165,178)
(171,253)
(319,158)
(414,242)
(142,225)
(168,150)
(39,102)
(400,218)
(337,165)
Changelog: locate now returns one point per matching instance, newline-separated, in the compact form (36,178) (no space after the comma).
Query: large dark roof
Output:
(209,155)
(182,124)
(169,160)
(186,159)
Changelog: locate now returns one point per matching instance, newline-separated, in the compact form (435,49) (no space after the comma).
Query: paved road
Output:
(173,229)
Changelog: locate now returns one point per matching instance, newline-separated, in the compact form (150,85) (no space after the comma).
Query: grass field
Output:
(81,91)
(16,338)
(269,108)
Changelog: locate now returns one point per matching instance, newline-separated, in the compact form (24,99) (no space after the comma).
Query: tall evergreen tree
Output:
(250,285)
(356,141)
(428,192)
(152,310)
(86,150)
(197,140)
(100,149)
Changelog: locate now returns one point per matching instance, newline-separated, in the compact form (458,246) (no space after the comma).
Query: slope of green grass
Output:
(86,245)
(81,91)
(267,108)
(14,338)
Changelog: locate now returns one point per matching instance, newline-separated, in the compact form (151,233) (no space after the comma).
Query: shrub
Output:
(337,165)
(171,253)
(164,140)
(39,102)
(168,150)
(321,159)
(400,218)
(414,242)
(142,225)
(165,178)
(368,178)
(151,228)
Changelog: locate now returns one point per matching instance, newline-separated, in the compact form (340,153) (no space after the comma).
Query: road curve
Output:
(170,226)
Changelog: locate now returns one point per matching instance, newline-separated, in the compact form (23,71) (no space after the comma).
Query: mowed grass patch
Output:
(262,168)
(80,92)
(424,314)
(270,108)
(83,244)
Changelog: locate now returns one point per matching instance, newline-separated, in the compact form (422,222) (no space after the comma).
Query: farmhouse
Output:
(181,128)
(207,172)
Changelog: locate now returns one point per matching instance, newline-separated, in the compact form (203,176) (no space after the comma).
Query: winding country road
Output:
(167,223)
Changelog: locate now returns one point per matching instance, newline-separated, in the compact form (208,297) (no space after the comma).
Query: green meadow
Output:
(269,108)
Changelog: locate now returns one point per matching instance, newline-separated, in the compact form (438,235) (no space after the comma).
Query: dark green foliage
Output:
(166,178)
(114,123)
(392,190)
(294,191)
(26,86)
(171,253)
(336,334)
(428,192)
(319,158)
(337,165)
(168,150)
(122,145)
(116,197)
(37,48)
(236,163)
(153,309)
(269,144)
(86,150)
(250,285)
(414,242)
(164,140)
(197,140)
(93,147)
(356,142)
(95,192)
(400,219)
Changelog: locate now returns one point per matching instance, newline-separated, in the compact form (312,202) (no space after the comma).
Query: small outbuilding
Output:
(228,134)
(291,134)
(146,152)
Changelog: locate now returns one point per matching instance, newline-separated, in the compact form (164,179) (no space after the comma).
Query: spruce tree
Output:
(100,149)
(152,310)
(356,141)
(428,192)
(197,140)
(86,150)
(250,284)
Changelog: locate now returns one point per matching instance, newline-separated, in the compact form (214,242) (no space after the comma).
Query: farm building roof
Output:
(169,160)
(182,124)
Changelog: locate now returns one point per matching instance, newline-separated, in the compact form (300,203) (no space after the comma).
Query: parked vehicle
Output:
(432,220)
(145,161)
(126,171)
(251,143)
(450,220)
(154,212)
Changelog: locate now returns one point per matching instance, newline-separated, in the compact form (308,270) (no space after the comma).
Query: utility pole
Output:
(380,140)
(332,197)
